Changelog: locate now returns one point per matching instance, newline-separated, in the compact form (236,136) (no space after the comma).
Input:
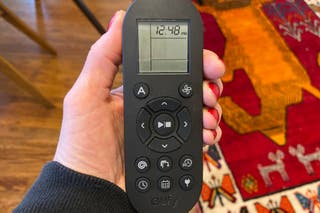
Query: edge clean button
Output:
(184,124)
(143,184)
(169,104)
(143,122)
(141,90)
(164,145)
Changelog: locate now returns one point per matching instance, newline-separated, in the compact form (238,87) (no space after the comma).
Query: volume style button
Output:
(143,123)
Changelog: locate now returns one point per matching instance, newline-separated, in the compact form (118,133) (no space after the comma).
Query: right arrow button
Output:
(184,129)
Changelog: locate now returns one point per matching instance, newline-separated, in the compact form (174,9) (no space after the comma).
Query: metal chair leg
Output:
(82,6)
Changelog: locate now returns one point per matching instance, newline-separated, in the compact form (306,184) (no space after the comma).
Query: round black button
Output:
(186,90)
(165,164)
(142,164)
(141,90)
(186,162)
(186,182)
(143,184)
(165,183)
(164,124)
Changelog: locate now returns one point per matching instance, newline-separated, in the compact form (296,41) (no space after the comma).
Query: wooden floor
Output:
(28,131)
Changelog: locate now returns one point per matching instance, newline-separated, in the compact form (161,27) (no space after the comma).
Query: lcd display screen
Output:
(163,47)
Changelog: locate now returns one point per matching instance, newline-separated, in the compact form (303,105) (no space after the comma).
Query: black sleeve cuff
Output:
(60,189)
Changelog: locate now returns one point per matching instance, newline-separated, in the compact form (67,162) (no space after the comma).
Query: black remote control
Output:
(163,63)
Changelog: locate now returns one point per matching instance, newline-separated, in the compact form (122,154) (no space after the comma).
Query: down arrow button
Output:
(164,145)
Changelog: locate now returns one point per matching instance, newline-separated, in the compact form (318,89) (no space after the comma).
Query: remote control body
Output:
(162,70)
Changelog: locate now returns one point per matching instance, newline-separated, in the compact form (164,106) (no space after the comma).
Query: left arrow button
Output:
(143,121)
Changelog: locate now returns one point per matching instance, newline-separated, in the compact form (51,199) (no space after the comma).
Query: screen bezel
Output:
(187,22)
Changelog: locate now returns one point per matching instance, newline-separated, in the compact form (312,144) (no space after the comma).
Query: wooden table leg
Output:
(10,17)
(12,73)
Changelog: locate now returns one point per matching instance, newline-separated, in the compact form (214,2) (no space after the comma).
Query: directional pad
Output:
(163,124)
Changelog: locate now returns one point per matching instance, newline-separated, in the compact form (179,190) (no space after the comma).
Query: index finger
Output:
(213,66)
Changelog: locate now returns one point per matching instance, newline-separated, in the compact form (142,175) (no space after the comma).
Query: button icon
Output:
(186,162)
(165,163)
(165,124)
(186,90)
(141,90)
(186,182)
(165,183)
(142,164)
(164,104)
(186,124)
(143,184)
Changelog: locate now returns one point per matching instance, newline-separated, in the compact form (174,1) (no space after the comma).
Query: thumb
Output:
(104,56)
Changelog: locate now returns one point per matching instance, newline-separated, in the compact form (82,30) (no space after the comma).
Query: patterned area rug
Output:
(269,157)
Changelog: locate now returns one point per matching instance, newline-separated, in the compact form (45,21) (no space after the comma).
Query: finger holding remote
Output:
(214,69)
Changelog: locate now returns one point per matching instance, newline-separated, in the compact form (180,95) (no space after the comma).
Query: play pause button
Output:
(164,124)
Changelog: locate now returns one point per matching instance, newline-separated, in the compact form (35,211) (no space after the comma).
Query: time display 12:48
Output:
(170,30)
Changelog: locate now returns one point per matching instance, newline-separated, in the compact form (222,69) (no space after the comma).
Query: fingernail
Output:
(112,20)
(214,133)
(215,89)
(214,113)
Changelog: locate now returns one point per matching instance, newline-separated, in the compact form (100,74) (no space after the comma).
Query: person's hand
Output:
(91,139)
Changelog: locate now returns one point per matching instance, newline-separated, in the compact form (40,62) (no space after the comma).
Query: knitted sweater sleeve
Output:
(60,189)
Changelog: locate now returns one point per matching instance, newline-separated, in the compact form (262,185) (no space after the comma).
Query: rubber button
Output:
(143,184)
(186,162)
(184,129)
(143,123)
(165,184)
(164,145)
(186,182)
(141,90)
(168,104)
(186,90)
(142,164)
(165,164)
(164,124)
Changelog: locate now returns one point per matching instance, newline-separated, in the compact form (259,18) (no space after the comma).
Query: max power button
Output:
(186,90)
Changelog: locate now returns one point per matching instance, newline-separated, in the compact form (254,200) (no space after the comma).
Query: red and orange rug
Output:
(269,157)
